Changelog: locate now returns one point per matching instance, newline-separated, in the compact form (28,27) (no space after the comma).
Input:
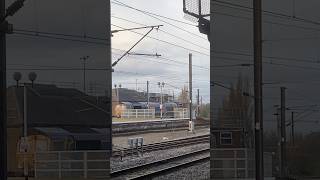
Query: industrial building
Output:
(58,119)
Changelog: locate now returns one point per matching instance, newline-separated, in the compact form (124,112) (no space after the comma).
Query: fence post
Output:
(59,165)
(182,113)
(235,163)
(136,113)
(85,165)
(35,164)
(154,113)
(246,162)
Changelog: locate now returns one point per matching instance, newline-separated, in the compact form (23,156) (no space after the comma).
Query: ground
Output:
(115,120)
(154,137)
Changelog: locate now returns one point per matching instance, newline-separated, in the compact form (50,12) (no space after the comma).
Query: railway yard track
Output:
(163,166)
(162,145)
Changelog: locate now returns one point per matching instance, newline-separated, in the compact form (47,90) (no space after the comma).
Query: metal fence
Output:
(237,163)
(138,113)
(181,113)
(177,113)
(72,164)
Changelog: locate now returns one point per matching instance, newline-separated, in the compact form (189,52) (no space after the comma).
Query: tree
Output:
(237,110)
(183,97)
(304,158)
(205,111)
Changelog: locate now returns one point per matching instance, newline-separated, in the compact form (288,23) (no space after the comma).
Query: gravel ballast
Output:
(130,161)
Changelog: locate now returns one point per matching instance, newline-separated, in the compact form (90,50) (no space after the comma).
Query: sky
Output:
(66,33)
(80,18)
(172,67)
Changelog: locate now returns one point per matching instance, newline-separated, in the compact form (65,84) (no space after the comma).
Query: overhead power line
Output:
(126,52)
(268,21)
(153,16)
(99,41)
(270,13)
(165,32)
(148,12)
(170,43)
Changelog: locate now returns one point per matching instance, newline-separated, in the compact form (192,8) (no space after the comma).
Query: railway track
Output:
(163,166)
(163,145)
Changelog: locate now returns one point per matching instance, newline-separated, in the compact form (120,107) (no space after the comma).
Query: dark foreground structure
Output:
(58,119)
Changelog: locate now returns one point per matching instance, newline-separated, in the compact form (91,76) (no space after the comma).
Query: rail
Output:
(153,169)
(121,152)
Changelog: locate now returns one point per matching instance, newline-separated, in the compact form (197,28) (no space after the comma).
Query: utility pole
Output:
(84,58)
(292,128)
(173,96)
(198,102)
(3,96)
(148,96)
(109,86)
(136,84)
(191,122)
(283,164)
(277,114)
(257,25)
(5,28)
(161,85)
(25,111)
(25,130)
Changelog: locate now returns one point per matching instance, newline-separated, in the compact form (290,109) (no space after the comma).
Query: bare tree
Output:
(183,97)
(237,110)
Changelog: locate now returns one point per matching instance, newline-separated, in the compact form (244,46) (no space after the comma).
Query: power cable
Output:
(166,32)
(170,43)
(153,16)
(271,13)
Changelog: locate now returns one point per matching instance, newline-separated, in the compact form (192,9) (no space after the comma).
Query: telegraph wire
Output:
(60,38)
(221,52)
(268,22)
(54,36)
(149,14)
(178,63)
(166,32)
(271,13)
(170,43)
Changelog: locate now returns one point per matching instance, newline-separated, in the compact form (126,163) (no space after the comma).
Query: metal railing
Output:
(237,163)
(178,113)
(72,164)
(138,113)
(181,113)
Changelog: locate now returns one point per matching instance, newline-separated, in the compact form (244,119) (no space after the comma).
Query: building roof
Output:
(51,106)
(128,95)
(79,134)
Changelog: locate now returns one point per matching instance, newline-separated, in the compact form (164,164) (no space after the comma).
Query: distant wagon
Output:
(168,109)
(120,108)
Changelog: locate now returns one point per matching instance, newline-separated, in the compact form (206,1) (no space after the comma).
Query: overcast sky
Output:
(173,69)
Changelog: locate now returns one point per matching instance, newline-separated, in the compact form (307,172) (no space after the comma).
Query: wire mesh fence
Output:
(197,8)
